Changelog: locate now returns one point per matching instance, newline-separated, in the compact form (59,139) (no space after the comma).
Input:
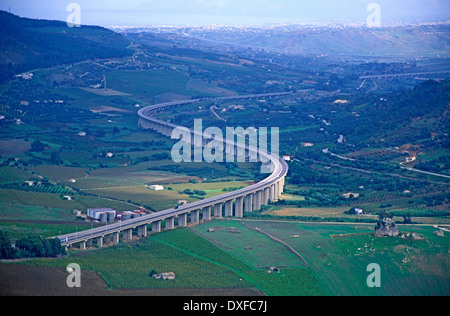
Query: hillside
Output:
(408,41)
(413,116)
(29,44)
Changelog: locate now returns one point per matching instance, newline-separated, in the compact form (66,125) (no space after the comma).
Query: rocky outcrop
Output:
(386,227)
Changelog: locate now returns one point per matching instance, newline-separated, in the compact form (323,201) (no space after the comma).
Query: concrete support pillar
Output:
(89,243)
(218,210)
(239,207)
(228,208)
(83,245)
(257,201)
(277,191)
(248,203)
(100,241)
(115,238)
(265,197)
(170,223)
(128,234)
(142,230)
(280,188)
(254,206)
(207,213)
(259,196)
(156,227)
(182,220)
(195,217)
(271,193)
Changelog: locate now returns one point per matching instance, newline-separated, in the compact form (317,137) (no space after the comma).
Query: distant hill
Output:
(404,41)
(27,44)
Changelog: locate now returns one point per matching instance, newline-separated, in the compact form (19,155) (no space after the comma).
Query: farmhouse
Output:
(26,76)
(156,187)
(358,211)
(164,276)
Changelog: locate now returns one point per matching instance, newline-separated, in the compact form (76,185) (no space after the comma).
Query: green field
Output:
(236,256)
(196,262)
(150,84)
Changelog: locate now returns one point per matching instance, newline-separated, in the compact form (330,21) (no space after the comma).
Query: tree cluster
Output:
(30,247)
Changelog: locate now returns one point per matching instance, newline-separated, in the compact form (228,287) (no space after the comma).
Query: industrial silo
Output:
(103,217)
(111,216)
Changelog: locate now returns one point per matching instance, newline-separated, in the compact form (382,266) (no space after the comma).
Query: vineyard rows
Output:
(196,262)
(40,188)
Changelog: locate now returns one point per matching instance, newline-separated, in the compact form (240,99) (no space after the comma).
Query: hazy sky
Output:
(232,12)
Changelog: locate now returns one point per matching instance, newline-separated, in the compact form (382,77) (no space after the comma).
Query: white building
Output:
(156,187)
(358,211)
(164,276)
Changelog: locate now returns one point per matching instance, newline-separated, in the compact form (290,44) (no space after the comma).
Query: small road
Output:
(425,172)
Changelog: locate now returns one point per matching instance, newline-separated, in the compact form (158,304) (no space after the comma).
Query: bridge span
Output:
(411,75)
(231,204)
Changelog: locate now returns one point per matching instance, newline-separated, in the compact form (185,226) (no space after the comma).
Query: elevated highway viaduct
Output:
(231,204)
(403,75)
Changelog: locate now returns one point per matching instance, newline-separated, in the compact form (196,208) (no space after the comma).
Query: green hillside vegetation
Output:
(30,44)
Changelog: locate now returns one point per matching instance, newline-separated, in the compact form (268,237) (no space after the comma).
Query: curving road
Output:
(254,196)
